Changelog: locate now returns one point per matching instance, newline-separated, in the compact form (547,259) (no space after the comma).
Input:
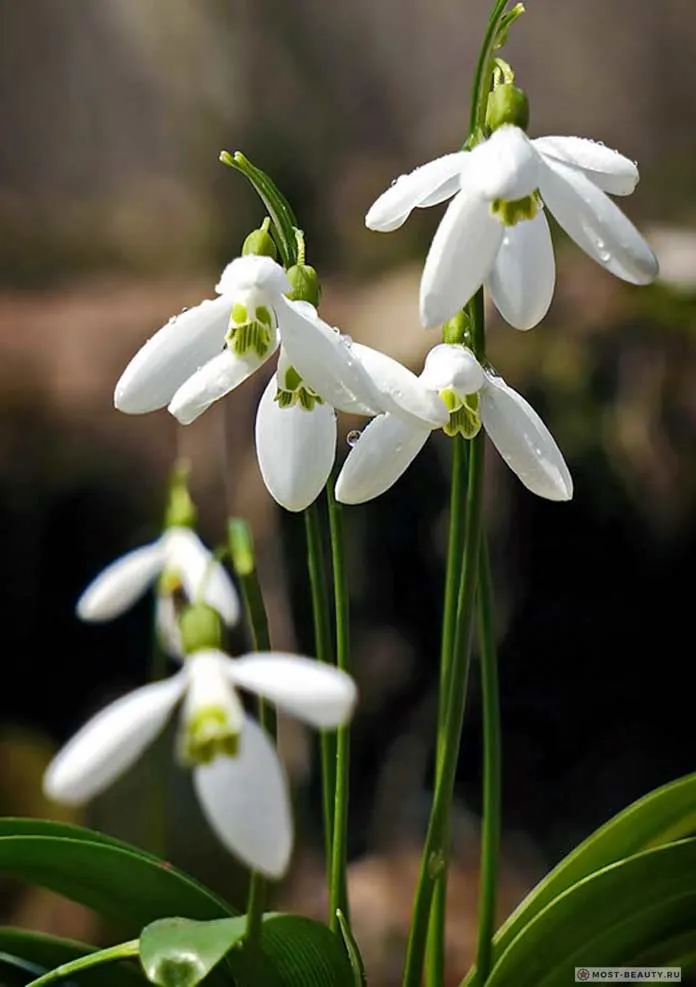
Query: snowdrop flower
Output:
(179,560)
(208,351)
(495,231)
(474,396)
(237,774)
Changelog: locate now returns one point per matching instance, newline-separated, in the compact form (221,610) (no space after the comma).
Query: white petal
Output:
(608,169)
(209,689)
(452,365)
(320,695)
(596,224)
(506,166)
(167,626)
(384,451)
(200,573)
(400,390)
(460,257)
(213,381)
(245,800)
(111,742)
(253,273)
(122,583)
(425,186)
(175,352)
(324,359)
(523,441)
(524,274)
(295,449)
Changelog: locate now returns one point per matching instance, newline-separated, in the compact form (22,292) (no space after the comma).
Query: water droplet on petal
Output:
(184,309)
(352,437)
(347,340)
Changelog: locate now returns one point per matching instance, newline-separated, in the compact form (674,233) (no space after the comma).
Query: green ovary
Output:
(516,211)
(208,735)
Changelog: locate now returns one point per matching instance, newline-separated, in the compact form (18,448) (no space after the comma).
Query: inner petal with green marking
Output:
(516,211)
(251,327)
(208,734)
(292,390)
(465,416)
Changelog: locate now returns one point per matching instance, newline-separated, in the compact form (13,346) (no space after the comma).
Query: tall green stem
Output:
(490,835)
(484,70)
(244,562)
(324,652)
(338,890)
(435,962)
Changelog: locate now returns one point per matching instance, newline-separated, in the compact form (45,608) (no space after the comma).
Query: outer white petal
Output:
(400,390)
(324,358)
(245,799)
(596,224)
(295,449)
(608,169)
(523,441)
(213,381)
(111,742)
(122,583)
(384,451)
(506,166)
(524,274)
(460,257)
(425,186)
(253,273)
(166,360)
(196,568)
(167,626)
(320,695)
(452,365)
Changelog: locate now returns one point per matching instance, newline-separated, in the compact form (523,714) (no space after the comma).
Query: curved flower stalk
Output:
(179,562)
(474,396)
(495,231)
(238,777)
(209,350)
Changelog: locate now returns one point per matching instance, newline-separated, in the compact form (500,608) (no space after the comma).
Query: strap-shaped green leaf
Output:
(613,917)
(33,953)
(662,816)
(120,882)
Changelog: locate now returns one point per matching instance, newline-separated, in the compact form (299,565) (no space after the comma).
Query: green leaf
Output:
(277,205)
(176,952)
(19,826)
(121,883)
(36,952)
(294,952)
(662,816)
(610,918)
(96,958)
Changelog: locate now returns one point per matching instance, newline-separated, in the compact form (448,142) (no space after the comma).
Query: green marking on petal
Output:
(250,336)
(294,391)
(516,211)
(292,379)
(263,315)
(208,735)
(239,314)
(465,418)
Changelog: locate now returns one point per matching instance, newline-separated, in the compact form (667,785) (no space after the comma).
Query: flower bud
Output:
(507,104)
(260,242)
(305,284)
(200,627)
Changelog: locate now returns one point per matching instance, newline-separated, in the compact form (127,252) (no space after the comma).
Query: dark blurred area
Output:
(115,213)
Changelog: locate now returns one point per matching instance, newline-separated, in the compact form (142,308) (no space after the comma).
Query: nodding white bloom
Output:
(179,561)
(474,396)
(237,774)
(494,231)
(208,351)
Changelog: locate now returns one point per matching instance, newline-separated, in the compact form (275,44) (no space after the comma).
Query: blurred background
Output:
(115,213)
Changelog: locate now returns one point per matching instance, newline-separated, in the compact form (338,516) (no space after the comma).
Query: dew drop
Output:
(352,437)
(347,340)
(184,309)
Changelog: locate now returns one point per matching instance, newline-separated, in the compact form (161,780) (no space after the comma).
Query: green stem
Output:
(324,652)
(338,890)
(435,961)
(244,562)
(484,70)
(490,836)
(124,950)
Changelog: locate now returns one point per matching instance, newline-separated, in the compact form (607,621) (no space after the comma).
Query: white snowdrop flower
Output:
(238,777)
(475,397)
(495,232)
(178,560)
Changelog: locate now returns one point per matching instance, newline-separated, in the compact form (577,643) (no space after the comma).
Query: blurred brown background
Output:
(115,213)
